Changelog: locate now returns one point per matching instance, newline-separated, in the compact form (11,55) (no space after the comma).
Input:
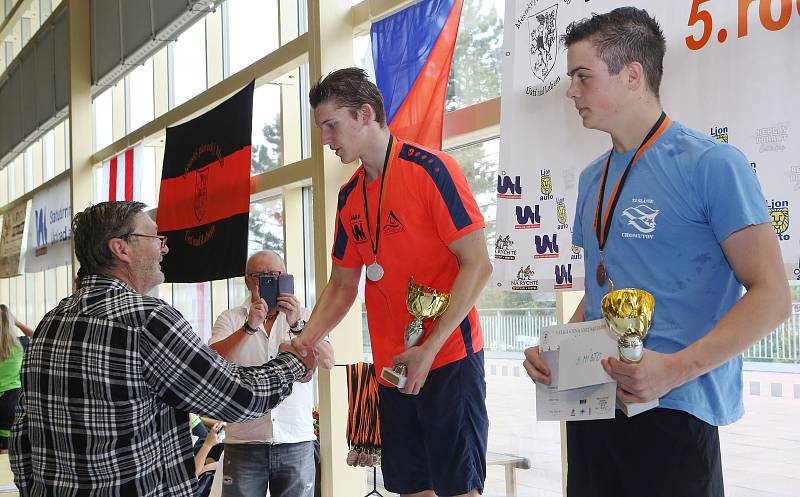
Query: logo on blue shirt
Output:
(643,219)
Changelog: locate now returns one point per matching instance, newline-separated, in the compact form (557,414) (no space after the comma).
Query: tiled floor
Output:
(761,452)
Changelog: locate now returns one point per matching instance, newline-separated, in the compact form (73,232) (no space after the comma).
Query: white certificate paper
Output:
(580,388)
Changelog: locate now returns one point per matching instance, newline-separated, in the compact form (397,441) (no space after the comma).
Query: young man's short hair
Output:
(624,35)
(351,88)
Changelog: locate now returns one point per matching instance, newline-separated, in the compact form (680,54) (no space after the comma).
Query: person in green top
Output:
(10,364)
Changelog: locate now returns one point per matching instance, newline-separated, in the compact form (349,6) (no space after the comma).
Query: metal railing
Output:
(513,330)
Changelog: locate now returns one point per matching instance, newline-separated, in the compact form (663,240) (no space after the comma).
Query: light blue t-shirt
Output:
(682,198)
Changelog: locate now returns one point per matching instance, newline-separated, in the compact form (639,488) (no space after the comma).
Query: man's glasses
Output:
(161,238)
(274,274)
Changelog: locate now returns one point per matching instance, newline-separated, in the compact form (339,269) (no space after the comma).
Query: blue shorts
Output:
(437,440)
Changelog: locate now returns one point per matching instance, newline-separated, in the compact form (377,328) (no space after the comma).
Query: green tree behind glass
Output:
(475,72)
(266,218)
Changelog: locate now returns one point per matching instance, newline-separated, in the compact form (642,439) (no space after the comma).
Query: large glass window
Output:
(266,226)
(193,300)
(251,32)
(48,155)
(45,9)
(475,72)
(103,120)
(11,167)
(140,102)
(27,165)
(187,58)
(266,136)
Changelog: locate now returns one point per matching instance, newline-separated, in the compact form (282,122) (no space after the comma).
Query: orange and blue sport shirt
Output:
(427,205)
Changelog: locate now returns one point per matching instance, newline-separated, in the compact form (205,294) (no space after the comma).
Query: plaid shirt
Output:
(107,385)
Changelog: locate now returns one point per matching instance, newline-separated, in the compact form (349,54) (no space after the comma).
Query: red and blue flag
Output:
(412,51)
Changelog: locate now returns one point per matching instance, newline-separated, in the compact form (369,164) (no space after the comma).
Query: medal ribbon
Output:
(374,242)
(601,230)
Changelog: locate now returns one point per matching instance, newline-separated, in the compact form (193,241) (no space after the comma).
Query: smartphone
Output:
(270,287)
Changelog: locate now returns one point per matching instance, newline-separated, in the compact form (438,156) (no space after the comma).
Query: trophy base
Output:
(631,409)
(393,377)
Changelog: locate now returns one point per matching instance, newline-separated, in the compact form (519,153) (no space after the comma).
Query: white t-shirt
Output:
(291,421)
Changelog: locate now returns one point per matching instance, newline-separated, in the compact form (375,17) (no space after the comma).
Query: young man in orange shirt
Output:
(408,212)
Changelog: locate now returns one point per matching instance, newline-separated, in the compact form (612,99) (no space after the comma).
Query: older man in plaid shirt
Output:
(111,375)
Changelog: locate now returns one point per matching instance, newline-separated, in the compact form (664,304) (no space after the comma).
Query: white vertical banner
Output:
(49,229)
(727,73)
(122,176)
(11,241)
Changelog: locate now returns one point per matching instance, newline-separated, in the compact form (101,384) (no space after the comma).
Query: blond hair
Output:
(8,338)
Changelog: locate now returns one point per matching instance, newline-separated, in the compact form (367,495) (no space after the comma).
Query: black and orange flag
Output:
(204,204)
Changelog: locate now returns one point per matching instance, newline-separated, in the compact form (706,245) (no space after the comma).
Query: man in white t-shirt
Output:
(275,451)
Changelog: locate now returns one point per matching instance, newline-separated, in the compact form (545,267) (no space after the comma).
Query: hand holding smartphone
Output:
(269,287)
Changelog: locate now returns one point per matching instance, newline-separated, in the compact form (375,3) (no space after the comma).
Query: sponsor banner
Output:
(49,229)
(11,239)
(544,147)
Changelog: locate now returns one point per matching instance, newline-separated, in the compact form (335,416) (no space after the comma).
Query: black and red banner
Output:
(204,204)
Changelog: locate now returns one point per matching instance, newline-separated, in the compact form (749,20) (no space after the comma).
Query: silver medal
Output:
(374,271)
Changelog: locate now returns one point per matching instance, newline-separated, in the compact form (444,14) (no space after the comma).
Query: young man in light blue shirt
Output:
(675,213)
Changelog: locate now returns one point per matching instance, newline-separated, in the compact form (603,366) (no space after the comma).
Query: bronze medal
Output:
(352,458)
(601,274)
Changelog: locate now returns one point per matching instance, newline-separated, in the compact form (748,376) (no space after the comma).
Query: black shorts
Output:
(437,440)
(659,453)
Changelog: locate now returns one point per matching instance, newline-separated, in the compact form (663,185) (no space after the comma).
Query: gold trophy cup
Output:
(422,303)
(628,312)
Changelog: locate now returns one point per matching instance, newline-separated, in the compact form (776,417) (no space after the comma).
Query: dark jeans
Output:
(286,469)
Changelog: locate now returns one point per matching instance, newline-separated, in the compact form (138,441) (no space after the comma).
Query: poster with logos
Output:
(11,238)
(725,75)
(49,229)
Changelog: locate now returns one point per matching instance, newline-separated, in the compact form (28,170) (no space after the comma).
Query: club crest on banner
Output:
(543,42)
(201,236)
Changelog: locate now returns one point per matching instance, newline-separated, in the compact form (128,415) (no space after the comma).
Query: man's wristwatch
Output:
(298,326)
(249,329)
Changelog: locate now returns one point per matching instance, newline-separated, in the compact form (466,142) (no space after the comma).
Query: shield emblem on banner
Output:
(543,41)
(201,194)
